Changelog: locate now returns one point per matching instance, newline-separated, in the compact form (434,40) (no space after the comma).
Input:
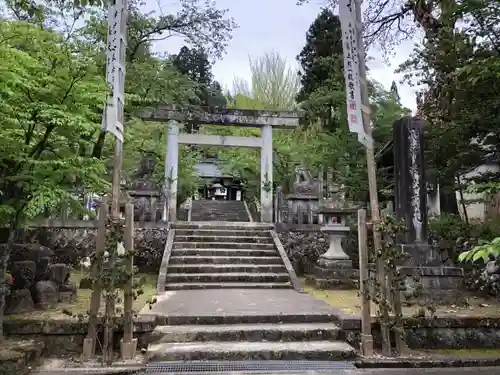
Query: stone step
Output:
(204,252)
(245,350)
(197,259)
(222,245)
(223,232)
(245,332)
(227,285)
(227,277)
(219,239)
(222,225)
(220,268)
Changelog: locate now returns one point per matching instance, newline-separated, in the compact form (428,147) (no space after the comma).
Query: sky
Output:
(279,26)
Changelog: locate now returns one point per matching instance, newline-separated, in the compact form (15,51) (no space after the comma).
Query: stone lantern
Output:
(219,192)
(334,268)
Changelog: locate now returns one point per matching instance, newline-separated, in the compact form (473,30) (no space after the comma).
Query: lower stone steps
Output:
(218,239)
(232,350)
(204,252)
(226,268)
(227,285)
(218,259)
(227,277)
(223,245)
(223,232)
(245,332)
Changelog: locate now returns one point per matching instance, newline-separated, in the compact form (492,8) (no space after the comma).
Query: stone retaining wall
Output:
(303,245)
(66,336)
(434,333)
(71,245)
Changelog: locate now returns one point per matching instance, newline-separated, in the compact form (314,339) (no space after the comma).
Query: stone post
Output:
(424,268)
(266,174)
(411,190)
(171,171)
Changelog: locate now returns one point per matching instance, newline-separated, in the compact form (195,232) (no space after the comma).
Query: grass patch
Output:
(462,353)
(82,301)
(348,302)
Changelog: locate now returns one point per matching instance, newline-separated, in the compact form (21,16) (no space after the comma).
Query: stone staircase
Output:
(218,256)
(287,339)
(209,210)
(229,297)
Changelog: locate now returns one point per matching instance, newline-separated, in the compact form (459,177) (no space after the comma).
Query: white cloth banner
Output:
(347,15)
(113,117)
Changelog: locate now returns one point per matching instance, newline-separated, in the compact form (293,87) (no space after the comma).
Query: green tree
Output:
(460,67)
(322,92)
(273,84)
(48,116)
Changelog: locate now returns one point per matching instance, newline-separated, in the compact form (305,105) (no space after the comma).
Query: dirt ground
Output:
(82,302)
(348,302)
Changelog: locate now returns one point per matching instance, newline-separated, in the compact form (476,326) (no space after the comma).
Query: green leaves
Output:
(48,119)
(482,252)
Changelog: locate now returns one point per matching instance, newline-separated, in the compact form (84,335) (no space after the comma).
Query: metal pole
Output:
(370,164)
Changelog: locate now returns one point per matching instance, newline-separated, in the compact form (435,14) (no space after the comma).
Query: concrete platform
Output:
(232,306)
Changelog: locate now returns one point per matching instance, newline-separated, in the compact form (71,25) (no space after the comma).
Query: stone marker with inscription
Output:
(424,265)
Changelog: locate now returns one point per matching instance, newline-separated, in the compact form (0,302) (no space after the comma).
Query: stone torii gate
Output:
(265,120)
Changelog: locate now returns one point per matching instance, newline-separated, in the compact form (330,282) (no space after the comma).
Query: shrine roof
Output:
(210,170)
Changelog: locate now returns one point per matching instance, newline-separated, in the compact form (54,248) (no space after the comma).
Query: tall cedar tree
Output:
(195,64)
(321,74)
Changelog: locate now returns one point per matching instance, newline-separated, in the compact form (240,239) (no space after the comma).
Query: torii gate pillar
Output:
(266,175)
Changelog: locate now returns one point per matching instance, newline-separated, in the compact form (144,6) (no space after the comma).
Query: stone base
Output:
(334,274)
(431,283)
(332,284)
(128,349)
(88,350)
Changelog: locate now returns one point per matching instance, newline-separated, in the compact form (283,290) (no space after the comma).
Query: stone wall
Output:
(305,247)
(433,333)
(71,245)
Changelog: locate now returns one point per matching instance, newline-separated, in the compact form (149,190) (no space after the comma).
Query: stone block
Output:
(46,294)
(60,273)
(23,273)
(443,284)
(19,301)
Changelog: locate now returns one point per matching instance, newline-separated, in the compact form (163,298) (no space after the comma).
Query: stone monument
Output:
(144,193)
(303,202)
(424,265)
(36,281)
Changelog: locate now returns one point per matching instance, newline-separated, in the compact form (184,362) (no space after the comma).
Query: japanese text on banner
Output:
(113,116)
(347,15)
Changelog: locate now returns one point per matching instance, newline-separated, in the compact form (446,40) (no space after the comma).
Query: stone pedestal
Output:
(427,279)
(334,268)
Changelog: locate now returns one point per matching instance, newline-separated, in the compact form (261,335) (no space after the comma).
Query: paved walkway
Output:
(237,302)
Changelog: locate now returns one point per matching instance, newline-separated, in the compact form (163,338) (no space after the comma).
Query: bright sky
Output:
(277,25)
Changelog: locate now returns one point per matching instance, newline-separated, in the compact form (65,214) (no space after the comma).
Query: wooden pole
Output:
(364,276)
(95,299)
(115,214)
(128,344)
(372,176)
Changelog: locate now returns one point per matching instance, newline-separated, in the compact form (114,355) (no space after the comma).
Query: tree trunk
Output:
(4,260)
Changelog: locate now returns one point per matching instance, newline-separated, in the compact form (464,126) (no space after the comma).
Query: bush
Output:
(453,235)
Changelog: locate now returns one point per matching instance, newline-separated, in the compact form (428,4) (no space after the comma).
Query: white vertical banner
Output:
(347,15)
(113,117)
